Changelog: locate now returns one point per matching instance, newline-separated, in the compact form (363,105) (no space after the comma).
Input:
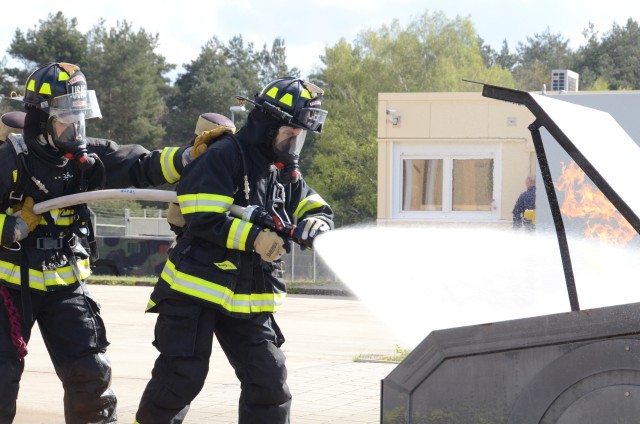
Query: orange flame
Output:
(583,200)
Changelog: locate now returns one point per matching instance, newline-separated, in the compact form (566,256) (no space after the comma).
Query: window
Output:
(446,182)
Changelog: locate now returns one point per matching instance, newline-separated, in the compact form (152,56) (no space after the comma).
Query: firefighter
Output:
(222,278)
(43,264)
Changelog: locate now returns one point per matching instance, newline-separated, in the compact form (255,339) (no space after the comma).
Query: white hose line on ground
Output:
(117,194)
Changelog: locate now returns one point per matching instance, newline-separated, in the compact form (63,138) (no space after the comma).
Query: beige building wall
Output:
(409,123)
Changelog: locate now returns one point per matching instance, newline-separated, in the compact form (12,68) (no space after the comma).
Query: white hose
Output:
(117,194)
(113,194)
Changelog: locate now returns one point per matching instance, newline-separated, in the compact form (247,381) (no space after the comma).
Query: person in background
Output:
(524,211)
(44,263)
(10,123)
(222,278)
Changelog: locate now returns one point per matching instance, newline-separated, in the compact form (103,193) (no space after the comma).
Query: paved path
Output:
(324,335)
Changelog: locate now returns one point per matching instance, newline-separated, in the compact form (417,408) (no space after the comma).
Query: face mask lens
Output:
(289,141)
(68,128)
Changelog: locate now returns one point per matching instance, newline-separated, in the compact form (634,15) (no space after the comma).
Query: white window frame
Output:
(446,150)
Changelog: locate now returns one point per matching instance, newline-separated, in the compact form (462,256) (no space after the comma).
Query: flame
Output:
(583,200)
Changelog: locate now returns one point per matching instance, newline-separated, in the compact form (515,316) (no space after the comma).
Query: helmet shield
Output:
(310,118)
(83,101)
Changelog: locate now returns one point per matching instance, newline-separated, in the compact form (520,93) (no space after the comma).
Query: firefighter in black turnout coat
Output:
(43,263)
(222,276)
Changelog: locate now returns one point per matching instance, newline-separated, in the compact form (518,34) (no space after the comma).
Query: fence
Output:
(300,265)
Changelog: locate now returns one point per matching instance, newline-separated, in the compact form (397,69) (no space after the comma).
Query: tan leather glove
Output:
(269,246)
(28,216)
(207,137)
(174,215)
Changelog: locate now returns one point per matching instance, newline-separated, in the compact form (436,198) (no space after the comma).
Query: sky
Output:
(309,26)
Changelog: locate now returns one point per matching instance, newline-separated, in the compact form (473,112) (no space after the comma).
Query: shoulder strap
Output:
(20,147)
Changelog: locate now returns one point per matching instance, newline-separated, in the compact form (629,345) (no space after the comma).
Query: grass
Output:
(122,280)
(395,358)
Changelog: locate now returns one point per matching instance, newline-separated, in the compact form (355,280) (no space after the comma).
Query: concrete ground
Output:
(324,334)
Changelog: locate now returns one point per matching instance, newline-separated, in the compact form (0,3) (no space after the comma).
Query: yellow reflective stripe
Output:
(150,305)
(63,76)
(169,171)
(15,175)
(61,217)
(45,89)
(31,86)
(2,218)
(272,93)
(203,202)
(287,99)
(308,203)
(219,294)
(40,280)
(238,233)
(305,94)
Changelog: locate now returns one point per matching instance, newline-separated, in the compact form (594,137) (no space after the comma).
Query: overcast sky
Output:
(308,26)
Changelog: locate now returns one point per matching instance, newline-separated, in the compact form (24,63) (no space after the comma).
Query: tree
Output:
(214,79)
(432,53)
(613,62)
(128,78)
(538,57)
(55,40)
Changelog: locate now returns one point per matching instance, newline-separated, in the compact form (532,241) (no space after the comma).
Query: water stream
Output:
(419,279)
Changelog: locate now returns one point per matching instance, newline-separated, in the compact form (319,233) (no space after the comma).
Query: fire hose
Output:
(254,214)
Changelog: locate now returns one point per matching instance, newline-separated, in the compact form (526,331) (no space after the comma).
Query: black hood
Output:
(35,125)
(259,132)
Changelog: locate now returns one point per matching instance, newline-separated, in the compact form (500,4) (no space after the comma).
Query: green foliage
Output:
(432,53)
(128,78)
(542,53)
(55,40)
(220,73)
(612,62)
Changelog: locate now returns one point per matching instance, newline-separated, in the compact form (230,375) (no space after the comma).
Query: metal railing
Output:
(300,265)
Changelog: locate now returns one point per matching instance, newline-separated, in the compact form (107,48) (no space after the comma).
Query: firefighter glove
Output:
(207,137)
(269,246)
(27,221)
(174,215)
(28,216)
(308,229)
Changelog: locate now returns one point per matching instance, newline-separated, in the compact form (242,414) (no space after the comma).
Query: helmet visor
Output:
(84,101)
(310,118)
(289,141)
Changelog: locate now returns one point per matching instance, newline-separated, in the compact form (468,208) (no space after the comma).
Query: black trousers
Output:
(75,337)
(184,336)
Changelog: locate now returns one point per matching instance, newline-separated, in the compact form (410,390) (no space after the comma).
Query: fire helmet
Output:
(290,104)
(59,90)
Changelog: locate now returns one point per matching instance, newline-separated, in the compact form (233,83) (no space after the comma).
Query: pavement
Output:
(325,335)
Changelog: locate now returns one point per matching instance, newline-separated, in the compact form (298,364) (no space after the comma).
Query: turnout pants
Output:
(184,335)
(75,337)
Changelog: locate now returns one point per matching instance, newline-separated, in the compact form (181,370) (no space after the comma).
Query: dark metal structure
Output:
(580,367)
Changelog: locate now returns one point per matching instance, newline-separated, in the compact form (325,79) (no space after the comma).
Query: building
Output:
(451,158)
(460,158)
